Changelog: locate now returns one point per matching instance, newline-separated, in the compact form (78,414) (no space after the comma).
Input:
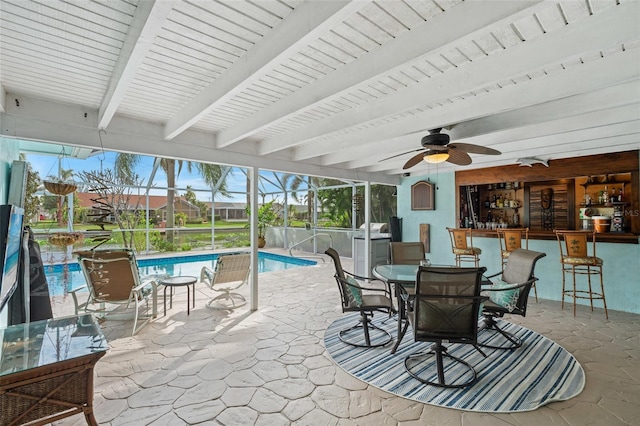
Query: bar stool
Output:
(511,239)
(462,246)
(575,259)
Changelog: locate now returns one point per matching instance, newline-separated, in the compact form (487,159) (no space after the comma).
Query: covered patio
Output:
(270,366)
(346,90)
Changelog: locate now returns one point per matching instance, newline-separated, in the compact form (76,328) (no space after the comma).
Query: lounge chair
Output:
(231,272)
(112,277)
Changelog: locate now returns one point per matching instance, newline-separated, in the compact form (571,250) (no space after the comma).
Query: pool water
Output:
(62,278)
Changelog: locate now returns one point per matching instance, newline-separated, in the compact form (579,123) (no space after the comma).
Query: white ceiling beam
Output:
(460,24)
(148,19)
(617,25)
(65,124)
(525,101)
(307,22)
(500,129)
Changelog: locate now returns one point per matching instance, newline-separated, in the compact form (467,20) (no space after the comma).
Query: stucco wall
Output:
(621,261)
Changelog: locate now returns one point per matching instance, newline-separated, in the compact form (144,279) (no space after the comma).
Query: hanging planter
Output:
(59,188)
(64,239)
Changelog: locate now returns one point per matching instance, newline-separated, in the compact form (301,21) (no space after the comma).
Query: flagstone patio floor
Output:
(269,367)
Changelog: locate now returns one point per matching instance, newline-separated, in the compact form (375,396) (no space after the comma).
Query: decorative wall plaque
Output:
(422,196)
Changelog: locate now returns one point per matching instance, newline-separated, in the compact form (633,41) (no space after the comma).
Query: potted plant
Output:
(266,217)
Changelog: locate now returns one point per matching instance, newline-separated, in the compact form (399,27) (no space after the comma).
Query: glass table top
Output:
(405,274)
(35,344)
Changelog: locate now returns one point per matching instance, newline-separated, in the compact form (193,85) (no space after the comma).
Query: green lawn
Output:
(46,225)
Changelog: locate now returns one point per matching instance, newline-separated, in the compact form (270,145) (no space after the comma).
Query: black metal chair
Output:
(509,294)
(407,253)
(445,308)
(365,300)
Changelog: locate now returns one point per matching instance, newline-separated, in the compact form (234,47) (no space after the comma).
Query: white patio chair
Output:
(230,273)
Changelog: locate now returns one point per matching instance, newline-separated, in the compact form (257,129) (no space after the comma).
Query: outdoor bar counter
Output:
(604,237)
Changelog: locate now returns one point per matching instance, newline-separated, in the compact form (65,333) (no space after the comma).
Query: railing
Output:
(314,236)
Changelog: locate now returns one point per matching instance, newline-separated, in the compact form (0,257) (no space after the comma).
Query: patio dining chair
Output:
(509,294)
(511,239)
(113,278)
(357,296)
(230,273)
(445,309)
(407,253)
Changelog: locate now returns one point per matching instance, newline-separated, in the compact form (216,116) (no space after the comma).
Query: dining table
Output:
(403,278)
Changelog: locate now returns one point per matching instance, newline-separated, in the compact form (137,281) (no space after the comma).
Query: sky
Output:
(47,165)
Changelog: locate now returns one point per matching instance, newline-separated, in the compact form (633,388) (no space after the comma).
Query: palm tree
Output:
(210,173)
(295,182)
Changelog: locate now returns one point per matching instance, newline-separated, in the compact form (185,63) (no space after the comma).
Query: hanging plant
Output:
(64,239)
(59,188)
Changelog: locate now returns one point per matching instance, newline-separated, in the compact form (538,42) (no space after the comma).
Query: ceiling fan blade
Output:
(398,155)
(459,157)
(474,149)
(416,159)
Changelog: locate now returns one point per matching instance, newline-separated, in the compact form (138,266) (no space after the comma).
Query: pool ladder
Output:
(312,237)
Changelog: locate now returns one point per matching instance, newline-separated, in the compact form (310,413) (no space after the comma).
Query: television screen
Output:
(11,243)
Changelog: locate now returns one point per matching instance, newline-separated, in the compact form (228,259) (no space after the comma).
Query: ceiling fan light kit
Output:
(435,158)
(437,149)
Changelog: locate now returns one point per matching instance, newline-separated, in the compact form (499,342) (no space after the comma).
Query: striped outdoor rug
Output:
(524,379)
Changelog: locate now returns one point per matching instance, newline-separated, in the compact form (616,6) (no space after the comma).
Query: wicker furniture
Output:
(46,370)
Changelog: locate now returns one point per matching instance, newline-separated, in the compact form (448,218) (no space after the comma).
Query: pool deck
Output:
(269,367)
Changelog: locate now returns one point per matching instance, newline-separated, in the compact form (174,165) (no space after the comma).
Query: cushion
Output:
(508,299)
(468,251)
(590,260)
(354,293)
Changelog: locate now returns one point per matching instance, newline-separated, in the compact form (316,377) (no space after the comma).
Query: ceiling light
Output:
(436,158)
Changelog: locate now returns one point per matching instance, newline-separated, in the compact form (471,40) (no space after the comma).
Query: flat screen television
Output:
(11,218)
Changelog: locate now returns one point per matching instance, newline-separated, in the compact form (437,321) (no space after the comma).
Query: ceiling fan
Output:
(437,149)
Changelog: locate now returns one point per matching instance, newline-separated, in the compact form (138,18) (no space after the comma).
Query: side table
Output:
(180,281)
(46,369)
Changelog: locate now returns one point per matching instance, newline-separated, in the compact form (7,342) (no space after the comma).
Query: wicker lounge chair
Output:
(231,272)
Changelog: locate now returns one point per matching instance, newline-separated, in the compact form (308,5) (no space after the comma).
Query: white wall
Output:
(621,261)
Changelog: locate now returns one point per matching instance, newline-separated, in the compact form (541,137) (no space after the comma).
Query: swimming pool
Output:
(61,281)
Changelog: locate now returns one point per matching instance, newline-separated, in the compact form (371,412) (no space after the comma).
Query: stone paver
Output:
(270,367)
